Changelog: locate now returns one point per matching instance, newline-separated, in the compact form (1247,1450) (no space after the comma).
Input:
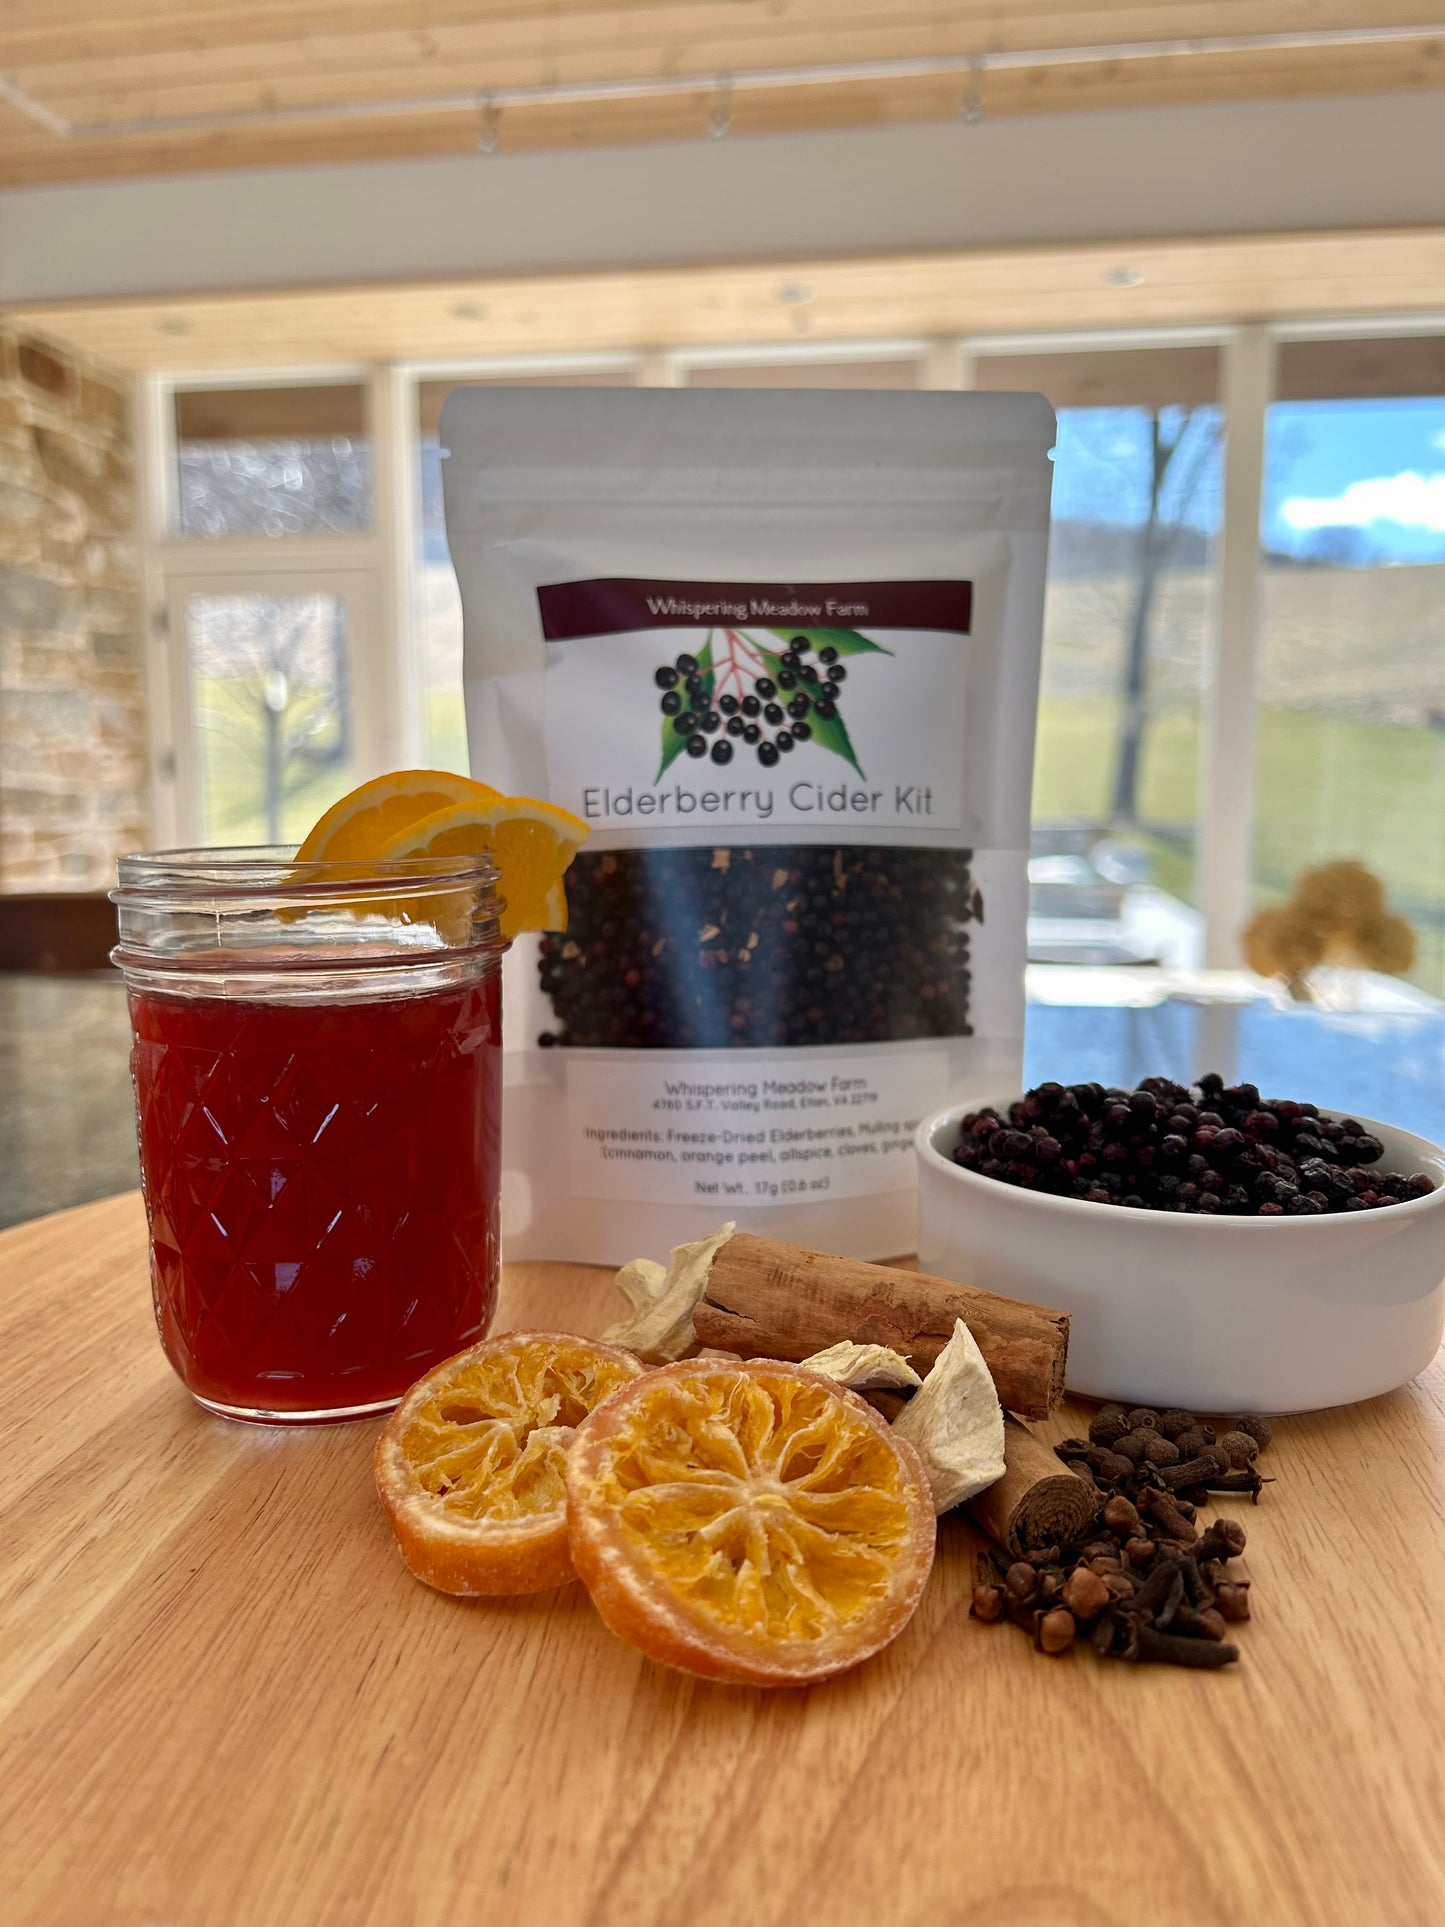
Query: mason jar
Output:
(317,1067)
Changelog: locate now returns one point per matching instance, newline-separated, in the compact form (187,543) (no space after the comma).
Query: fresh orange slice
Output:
(356,827)
(749,1522)
(469,1466)
(530,842)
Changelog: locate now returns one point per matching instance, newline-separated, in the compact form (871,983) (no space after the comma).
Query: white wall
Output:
(1363,161)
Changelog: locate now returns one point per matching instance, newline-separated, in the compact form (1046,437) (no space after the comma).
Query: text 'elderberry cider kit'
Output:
(780,651)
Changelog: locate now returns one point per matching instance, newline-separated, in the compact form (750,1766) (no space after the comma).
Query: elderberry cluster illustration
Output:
(737,693)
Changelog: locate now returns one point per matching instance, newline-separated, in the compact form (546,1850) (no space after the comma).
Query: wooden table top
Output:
(224,1699)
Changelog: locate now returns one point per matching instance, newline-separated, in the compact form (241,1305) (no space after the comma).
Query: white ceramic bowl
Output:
(1212,1314)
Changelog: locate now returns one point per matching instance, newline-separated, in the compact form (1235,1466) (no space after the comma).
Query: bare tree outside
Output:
(273,708)
(1182,444)
(271,672)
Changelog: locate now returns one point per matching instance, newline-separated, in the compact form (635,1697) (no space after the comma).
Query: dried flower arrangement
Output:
(1336,914)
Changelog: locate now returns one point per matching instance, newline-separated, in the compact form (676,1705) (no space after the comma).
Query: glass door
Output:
(276,699)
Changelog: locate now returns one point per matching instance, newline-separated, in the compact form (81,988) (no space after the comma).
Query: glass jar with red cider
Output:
(317,1070)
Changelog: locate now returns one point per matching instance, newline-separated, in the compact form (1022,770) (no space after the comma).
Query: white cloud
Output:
(1411,500)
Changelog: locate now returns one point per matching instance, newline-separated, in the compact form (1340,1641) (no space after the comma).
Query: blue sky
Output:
(1376,466)
(1363,477)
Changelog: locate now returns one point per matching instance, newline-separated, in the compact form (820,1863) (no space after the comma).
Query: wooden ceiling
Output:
(98,88)
(1147,284)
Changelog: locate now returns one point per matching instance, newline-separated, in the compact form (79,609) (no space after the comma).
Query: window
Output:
(1135,512)
(1350,754)
(437,604)
(272,461)
(278,722)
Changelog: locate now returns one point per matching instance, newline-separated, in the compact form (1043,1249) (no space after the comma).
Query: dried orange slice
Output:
(469,1465)
(530,842)
(754,1522)
(356,826)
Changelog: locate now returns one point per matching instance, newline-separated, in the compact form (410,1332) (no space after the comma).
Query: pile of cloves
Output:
(1145,1583)
(1135,1451)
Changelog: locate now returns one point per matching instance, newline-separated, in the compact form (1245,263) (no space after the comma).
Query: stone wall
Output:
(72,686)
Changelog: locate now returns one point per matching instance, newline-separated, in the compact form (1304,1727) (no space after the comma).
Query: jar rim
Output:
(261,870)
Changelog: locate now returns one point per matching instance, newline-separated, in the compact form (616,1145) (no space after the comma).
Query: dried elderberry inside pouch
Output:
(780,653)
(784,945)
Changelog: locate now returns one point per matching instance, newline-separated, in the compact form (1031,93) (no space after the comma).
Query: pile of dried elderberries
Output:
(1144,1583)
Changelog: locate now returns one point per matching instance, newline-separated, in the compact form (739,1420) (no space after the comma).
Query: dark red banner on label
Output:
(613,604)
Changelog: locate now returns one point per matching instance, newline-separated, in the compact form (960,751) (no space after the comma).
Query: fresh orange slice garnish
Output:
(356,826)
(749,1522)
(469,1465)
(530,842)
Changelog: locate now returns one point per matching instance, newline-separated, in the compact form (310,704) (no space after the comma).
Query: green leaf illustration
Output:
(673,744)
(829,732)
(847,642)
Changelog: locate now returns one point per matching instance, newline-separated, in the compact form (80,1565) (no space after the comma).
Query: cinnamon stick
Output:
(770,1300)
(1038,1501)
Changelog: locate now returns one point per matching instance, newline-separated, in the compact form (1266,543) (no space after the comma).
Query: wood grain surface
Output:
(224,1700)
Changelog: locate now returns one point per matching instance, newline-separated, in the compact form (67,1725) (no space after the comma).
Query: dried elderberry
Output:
(776,946)
(1208,1149)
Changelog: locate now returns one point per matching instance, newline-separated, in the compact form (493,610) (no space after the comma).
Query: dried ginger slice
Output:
(663,1300)
(469,1467)
(955,1423)
(755,1523)
(865,1368)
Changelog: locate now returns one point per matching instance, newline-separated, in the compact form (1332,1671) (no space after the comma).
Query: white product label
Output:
(750,1128)
(848,725)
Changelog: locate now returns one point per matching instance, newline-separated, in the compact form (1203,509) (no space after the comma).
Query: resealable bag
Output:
(780,651)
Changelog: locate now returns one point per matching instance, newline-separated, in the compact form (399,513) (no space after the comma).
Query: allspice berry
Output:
(1144,1418)
(1161,1451)
(1107,1424)
(1239,1448)
(1113,1465)
(1175,1421)
(1193,1442)
(1257,1428)
(1056,1631)
(1131,1446)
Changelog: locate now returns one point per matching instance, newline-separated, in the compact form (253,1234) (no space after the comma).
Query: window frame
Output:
(384,556)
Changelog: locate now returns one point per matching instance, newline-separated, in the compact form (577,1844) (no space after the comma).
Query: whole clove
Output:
(1221,1539)
(1177,1649)
(1021,1581)
(1160,1509)
(1161,1594)
(1231,1599)
(1056,1631)
(1141,1582)
(1209,1464)
(987,1603)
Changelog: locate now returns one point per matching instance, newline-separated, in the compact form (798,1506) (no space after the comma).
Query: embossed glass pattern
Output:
(317,1101)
